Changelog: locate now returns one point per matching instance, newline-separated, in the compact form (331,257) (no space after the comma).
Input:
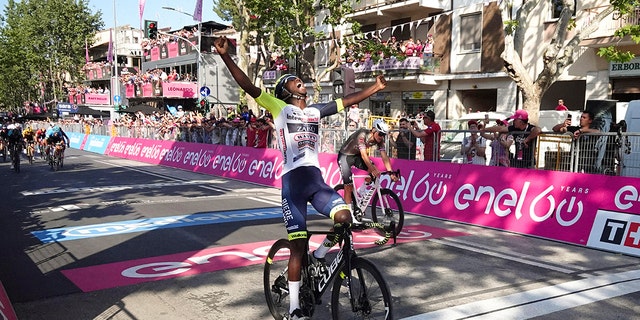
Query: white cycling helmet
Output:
(381,126)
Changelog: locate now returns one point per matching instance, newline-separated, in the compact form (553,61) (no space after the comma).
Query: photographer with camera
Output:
(405,142)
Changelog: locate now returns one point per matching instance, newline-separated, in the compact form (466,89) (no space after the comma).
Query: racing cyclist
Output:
(14,138)
(354,152)
(297,125)
(55,134)
(29,137)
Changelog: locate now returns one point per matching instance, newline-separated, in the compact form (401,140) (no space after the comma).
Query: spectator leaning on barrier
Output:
(586,119)
(524,135)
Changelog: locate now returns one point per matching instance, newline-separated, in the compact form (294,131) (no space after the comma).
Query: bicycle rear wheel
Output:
(276,284)
(366,296)
(16,160)
(388,209)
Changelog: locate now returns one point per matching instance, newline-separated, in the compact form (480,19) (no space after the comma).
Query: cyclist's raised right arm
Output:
(222,46)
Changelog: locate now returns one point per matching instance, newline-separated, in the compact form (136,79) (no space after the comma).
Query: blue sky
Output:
(127,12)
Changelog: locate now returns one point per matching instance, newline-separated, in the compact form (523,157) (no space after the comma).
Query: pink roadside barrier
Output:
(597,211)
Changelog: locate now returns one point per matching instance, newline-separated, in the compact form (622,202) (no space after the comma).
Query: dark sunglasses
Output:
(382,134)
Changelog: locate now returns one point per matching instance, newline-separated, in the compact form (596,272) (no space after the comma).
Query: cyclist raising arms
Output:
(355,153)
(297,125)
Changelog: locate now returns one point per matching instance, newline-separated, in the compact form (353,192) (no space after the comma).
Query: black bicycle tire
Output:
(360,265)
(399,221)
(280,310)
(16,160)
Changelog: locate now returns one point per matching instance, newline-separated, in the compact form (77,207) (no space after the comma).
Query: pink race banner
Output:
(130,90)
(590,210)
(155,53)
(172,47)
(179,89)
(147,90)
(96,98)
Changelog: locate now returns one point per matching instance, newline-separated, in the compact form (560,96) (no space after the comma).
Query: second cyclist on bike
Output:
(355,153)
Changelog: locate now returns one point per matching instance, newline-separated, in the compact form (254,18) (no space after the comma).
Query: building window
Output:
(470,32)
(556,8)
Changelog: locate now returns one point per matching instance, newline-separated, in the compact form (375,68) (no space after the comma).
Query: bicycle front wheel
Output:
(16,161)
(365,295)
(388,208)
(276,280)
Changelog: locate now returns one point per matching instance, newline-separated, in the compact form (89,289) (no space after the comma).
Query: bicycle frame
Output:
(343,257)
(360,203)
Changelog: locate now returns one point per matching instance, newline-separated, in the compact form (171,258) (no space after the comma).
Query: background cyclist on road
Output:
(297,125)
(29,136)
(354,152)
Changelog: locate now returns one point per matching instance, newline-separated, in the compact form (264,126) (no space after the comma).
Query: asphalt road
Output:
(106,238)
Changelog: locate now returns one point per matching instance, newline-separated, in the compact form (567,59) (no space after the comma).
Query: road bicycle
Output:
(384,205)
(56,156)
(41,150)
(359,290)
(3,149)
(30,151)
(16,149)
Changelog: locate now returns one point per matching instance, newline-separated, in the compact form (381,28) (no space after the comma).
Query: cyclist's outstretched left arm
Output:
(387,164)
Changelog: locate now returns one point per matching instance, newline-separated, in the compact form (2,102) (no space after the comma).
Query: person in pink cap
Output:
(524,135)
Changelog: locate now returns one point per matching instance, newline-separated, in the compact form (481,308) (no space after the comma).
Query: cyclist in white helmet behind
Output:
(355,153)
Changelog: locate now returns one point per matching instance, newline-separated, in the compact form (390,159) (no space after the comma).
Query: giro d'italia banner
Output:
(597,211)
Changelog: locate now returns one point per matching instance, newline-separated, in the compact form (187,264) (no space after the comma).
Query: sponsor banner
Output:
(96,144)
(179,89)
(262,166)
(76,139)
(219,258)
(616,231)
(6,309)
(96,98)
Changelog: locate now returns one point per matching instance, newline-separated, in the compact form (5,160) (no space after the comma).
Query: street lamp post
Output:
(197,47)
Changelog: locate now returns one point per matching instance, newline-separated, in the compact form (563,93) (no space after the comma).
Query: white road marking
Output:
(542,301)
(533,262)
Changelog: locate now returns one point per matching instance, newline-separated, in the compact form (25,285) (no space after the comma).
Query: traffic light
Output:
(203,104)
(344,82)
(150,29)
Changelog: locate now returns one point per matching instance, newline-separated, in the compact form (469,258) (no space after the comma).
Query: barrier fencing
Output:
(597,153)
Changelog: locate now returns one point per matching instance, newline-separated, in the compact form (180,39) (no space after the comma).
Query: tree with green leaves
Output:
(288,27)
(560,51)
(43,46)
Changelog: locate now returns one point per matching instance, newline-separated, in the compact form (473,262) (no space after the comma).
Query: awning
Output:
(144,108)
(82,110)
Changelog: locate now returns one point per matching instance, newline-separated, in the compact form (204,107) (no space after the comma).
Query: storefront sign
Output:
(631,68)
(417,95)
